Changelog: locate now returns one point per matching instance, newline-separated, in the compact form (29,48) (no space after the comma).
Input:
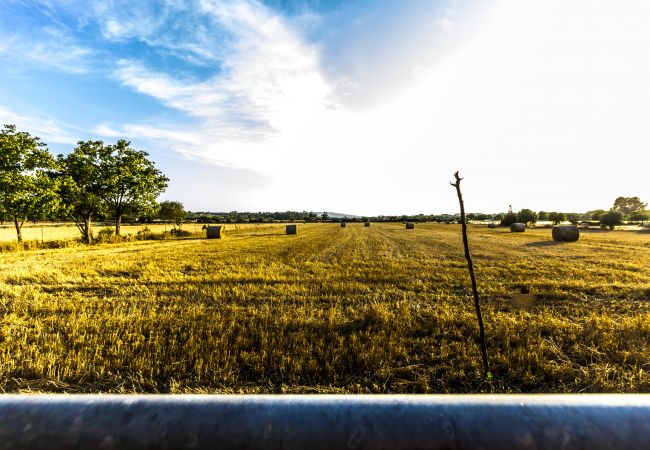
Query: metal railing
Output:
(325,422)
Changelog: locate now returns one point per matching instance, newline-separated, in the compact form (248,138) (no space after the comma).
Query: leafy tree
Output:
(628,205)
(556,217)
(131,182)
(527,216)
(172,212)
(27,190)
(640,216)
(542,216)
(611,219)
(509,218)
(595,214)
(324,217)
(83,185)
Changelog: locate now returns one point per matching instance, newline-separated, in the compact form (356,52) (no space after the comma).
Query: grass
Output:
(57,232)
(336,310)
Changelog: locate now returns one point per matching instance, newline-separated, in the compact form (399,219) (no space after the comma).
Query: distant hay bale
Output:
(410,226)
(518,227)
(292,229)
(367,224)
(566,233)
(343,224)
(216,232)
(492,225)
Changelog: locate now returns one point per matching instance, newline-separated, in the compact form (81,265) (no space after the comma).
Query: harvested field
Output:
(337,310)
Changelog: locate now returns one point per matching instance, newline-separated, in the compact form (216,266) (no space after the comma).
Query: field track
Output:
(355,309)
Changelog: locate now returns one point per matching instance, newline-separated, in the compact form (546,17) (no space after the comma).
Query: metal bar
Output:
(325,422)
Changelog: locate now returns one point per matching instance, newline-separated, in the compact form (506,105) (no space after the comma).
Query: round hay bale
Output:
(518,227)
(566,233)
(217,232)
(492,225)
(367,224)
(410,226)
(292,229)
(343,224)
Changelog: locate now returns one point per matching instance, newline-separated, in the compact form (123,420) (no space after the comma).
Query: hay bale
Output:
(367,224)
(566,233)
(492,225)
(343,224)
(410,226)
(217,232)
(518,227)
(292,229)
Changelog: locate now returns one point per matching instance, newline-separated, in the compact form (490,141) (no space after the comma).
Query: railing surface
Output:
(325,422)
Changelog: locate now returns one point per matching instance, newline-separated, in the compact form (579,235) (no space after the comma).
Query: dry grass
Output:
(332,309)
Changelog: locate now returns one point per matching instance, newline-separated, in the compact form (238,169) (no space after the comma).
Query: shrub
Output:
(509,219)
(105,234)
(611,218)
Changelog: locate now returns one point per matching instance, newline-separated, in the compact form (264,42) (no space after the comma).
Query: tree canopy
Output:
(628,205)
(26,187)
(82,186)
(131,183)
(172,212)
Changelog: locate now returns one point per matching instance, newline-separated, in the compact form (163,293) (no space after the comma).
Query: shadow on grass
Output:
(544,244)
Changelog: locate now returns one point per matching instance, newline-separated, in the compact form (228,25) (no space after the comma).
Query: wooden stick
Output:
(470,267)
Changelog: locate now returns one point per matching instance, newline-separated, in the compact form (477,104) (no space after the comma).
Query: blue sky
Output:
(350,106)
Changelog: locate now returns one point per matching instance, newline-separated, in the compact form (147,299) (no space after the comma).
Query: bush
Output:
(611,218)
(105,234)
(509,219)
(180,233)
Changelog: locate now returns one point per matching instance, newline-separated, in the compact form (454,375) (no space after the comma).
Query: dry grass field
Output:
(337,310)
(57,232)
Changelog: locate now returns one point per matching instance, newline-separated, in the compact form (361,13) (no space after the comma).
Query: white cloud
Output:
(48,129)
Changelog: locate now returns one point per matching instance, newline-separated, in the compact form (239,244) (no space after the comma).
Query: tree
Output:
(628,205)
(542,216)
(527,216)
(82,185)
(324,217)
(26,188)
(470,268)
(611,219)
(509,218)
(131,182)
(595,214)
(556,217)
(640,216)
(172,212)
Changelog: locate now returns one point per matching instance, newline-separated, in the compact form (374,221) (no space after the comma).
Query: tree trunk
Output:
(87,232)
(470,268)
(19,229)
(118,224)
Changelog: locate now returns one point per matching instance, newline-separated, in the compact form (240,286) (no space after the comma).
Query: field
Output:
(336,310)
(57,232)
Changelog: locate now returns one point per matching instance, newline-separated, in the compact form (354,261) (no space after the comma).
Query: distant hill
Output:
(334,215)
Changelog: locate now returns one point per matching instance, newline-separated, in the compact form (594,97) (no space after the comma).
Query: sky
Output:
(359,107)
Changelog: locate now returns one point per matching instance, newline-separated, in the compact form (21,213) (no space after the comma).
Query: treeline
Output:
(94,181)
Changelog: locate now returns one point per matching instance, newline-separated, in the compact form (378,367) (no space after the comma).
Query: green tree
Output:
(131,181)
(324,217)
(640,216)
(595,214)
(26,188)
(527,216)
(611,219)
(83,186)
(509,218)
(542,216)
(628,205)
(556,217)
(172,212)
